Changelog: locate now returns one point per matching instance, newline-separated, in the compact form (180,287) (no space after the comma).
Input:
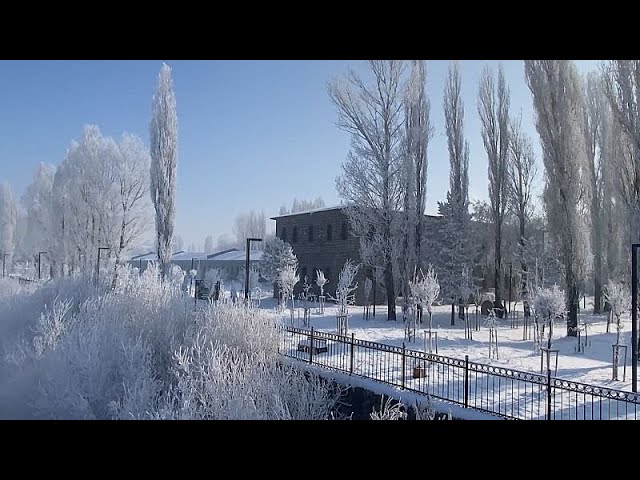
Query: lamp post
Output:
(510,268)
(246,269)
(99,250)
(191,276)
(634,316)
(4,258)
(39,272)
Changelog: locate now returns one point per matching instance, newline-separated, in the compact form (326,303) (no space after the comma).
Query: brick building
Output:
(321,239)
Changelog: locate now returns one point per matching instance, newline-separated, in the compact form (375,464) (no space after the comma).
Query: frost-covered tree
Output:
(208,244)
(425,290)
(37,200)
(254,278)
(618,296)
(344,294)
(549,304)
(452,246)
(132,182)
(557,98)
(163,139)
(622,88)
(277,255)
(250,225)
(595,106)
(521,174)
(372,113)
(493,108)
(321,281)
(287,279)
(302,206)
(418,133)
(8,219)
(225,241)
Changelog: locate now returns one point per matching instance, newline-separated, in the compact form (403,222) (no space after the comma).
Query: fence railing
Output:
(487,388)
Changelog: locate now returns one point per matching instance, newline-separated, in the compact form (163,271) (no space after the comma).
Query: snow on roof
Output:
(214,255)
(181,255)
(189,256)
(335,207)
(238,255)
(322,209)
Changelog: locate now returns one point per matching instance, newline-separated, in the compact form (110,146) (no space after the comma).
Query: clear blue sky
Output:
(252,134)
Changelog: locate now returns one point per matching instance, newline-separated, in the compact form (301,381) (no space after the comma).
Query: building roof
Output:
(181,255)
(221,252)
(323,209)
(336,207)
(238,255)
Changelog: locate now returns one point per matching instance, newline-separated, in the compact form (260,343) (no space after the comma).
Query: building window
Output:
(329,232)
(327,275)
(310,233)
(343,234)
(283,234)
(294,237)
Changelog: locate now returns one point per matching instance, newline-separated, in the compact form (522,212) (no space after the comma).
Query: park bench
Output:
(319,346)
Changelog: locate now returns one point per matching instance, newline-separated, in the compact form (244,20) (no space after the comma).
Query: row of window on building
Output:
(310,233)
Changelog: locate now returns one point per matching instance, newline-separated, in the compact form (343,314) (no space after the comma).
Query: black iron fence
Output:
(496,390)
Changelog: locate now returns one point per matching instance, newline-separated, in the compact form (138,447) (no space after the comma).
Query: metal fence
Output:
(500,391)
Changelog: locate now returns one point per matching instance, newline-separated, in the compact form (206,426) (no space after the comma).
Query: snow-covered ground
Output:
(592,365)
(491,388)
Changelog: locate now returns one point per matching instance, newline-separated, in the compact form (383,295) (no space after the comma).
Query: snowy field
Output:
(593,365)
(490,387)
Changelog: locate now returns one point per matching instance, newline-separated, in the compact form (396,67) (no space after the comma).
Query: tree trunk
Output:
(391,294)
(497,267)
(597,279)
(573,300)
(453,312)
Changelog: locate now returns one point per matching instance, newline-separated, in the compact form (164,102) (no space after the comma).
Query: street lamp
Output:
(99,250)
(39,254)
(510,268)
(4,258)
(246,269)
(634,316)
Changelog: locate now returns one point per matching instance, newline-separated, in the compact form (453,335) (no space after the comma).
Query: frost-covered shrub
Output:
(139,351)
(619,297)
(549,304)
(389,410)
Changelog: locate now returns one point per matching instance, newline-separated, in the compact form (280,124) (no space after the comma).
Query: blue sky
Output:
(252,134)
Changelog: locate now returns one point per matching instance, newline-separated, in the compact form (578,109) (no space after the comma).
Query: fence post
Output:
(351,366)
(548,392)
(403,364)
(466,381)
(311,347)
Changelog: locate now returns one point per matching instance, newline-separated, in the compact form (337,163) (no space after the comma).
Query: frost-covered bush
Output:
(619,297)
(74,351)
(389,410)
(321,280)
(549,304)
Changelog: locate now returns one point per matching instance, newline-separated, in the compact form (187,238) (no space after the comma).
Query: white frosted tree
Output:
(521,174)
(287,279)
(619,297)
(208,244)
(425,290)
(277,255)
(163,139)
(622,88)
(303,206)
(595,106)
(549,304)
(371,111)
(250,225)
(321,281)
(8,220)
(418,133)
(451,246)
(344,294)
(37,201)
(132,183)
(493,108)
(558,102)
